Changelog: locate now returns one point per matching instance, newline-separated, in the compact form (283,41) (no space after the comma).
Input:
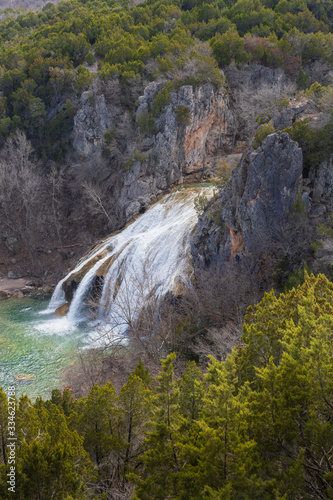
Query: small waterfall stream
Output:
(151,256)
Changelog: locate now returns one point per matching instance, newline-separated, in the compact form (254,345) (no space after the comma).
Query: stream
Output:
(36,344)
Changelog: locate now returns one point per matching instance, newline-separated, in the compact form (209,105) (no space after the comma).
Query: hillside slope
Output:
(112,105)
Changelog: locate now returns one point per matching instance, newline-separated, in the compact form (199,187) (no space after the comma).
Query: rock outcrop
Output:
(91,122)
(320,182)
(286,117)
(254,76)
(178,152)
(172,152)
(254,204)
(62,310)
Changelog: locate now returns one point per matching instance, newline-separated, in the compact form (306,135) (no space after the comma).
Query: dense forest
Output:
(257,426)
(24,4)
(49,57)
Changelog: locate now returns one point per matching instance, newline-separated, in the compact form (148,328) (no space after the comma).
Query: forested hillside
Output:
(48,58)
(257,426)
(24,4)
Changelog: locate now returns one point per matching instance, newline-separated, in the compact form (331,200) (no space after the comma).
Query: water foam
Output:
(150,257)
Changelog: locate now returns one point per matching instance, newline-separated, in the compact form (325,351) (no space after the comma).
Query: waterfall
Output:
(58,296)
(150,257)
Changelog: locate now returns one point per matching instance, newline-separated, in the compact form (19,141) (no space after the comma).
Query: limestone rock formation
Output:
(286,117)
(91,122)
(171,152)
(254,204)
(176,151)
(62,310)
(321,182)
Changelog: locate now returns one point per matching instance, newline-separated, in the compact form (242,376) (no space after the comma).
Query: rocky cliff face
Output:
(179,152)
(104,183)
(172,153)
(91,121)
(254,205)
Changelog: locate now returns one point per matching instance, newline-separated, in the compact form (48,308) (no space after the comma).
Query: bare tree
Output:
(22,201)
(225,293)
(191,321)
(264,101)
(218,342)
(95,196)
(90,366)
(56,182)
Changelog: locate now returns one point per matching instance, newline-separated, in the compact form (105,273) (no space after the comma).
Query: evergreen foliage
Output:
(49,57)
(258,425)
(316,144)
(261,133)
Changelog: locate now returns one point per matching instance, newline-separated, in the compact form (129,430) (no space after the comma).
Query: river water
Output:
(35,344)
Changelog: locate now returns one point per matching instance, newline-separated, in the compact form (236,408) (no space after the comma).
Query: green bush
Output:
(109,136)
(146,123)
(316,145)
(137,156)
(200,204)
(261,133)
(303,80)
(261,119)
(183,115)
(90,58)
(91,99)
(283,102)
(162,100)
(316,90)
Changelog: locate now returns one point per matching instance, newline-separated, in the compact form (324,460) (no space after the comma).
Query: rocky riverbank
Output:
(19,288)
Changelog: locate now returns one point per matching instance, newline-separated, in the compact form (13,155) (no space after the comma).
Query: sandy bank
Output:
(21,287)
(10,284)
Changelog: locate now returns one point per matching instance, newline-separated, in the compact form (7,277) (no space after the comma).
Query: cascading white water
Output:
(150,256)
(58,296)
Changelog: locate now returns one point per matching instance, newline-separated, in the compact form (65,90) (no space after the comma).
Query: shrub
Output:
(283,102)
(302,80)
(90,58)
(146,123)
(109,135)
(138,156)
(261,133)
(200,204)
(183,115)
(162,100)
(91,99)
(316,145)
(262,118)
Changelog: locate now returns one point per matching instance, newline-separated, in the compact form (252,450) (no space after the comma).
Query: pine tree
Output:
(292,376)
(134,402)
(97,422)
(162,458)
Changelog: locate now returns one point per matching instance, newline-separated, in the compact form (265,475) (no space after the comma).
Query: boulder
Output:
(12,275)
(30,283)
(62,310)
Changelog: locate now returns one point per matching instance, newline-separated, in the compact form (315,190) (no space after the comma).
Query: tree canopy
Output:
(258,425)
(49,57)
